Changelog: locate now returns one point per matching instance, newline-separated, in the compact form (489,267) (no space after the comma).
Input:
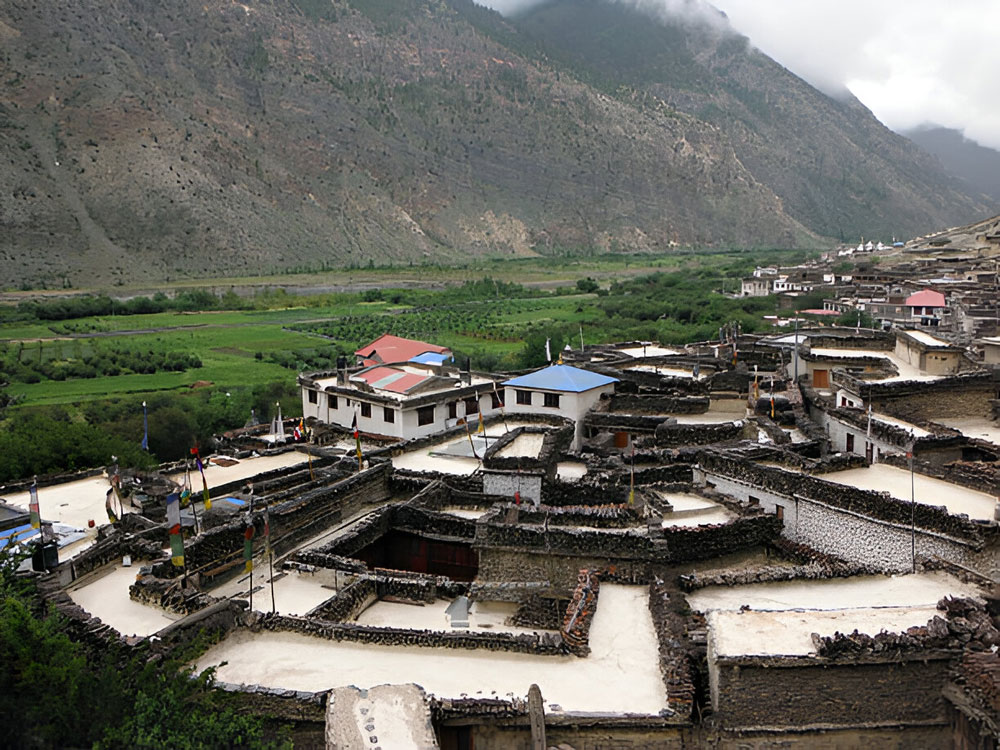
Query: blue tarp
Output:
(17,535)
(562,378)
(431,358)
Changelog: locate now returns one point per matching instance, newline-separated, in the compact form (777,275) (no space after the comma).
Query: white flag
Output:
(548,354)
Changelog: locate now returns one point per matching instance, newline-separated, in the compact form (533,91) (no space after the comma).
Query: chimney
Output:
(467,375)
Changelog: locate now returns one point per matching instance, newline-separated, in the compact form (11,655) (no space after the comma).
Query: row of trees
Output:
(34,364)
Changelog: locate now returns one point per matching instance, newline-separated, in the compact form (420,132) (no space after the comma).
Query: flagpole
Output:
(187,482)
(145,428)
(249,546)
(269,552)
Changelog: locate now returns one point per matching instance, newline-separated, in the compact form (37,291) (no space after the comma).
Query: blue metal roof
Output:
(431,358)
(562,378)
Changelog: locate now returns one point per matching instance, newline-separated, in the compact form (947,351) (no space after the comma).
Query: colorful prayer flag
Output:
(174,528)
(357,439)
(248,548)
(204,482)
(109,506)
(36,516)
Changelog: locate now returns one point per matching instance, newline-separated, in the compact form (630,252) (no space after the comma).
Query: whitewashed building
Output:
(559,390)
(417,396)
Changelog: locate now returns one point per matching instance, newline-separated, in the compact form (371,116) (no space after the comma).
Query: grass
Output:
(235,346)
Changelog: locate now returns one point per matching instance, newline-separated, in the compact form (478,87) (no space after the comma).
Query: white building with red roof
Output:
(389,349)
(404,389)
(927,307)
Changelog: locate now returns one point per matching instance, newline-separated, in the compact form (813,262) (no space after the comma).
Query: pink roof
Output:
(391,379)
(388,348)
(926,298)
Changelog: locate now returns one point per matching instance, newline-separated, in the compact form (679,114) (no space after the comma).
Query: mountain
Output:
(156,141)
(978,165)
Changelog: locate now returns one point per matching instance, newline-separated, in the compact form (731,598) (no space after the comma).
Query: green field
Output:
(487,319)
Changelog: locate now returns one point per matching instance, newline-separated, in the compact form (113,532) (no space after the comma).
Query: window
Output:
(523,397)
(453,410)
(388,414)
(425,415)
(331,402)
(779,511)
(312,396)
(366,410)
(552,400)
(471,405)
(496,403)
(850,443)
(754,500)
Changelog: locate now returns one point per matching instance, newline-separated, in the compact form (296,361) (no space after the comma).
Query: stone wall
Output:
(799,693)
(867,528)
(674,435)
(349,602)
(218,551)
(543,644)
(657,404)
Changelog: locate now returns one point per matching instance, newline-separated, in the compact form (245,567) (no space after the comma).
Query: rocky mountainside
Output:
(154,141)
(978,165)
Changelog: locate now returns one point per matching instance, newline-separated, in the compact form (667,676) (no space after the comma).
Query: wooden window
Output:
(779,511)
(312,396)
(471,405)
(552,400)
(388,414)
(366,410)
(453,410)
(523,397)
(850,443)
(425,415)
(331,401)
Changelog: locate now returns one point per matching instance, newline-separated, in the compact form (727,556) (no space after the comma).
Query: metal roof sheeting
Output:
(562,378)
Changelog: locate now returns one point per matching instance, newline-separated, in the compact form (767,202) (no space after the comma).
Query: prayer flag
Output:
(248,548)
(357,439)
(109,507)
(548,353)
(204,482)
(36,516)
(174,528)
(482,427)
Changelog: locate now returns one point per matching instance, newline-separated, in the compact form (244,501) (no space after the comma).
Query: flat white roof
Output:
(621,674)
(926,338)
(649,351)
(783,615)
(926,490)
(105,595)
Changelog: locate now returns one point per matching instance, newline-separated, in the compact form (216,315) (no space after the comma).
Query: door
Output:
(821,378)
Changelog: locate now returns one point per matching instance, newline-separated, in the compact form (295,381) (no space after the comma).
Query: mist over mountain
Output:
(158,141)
(978,165)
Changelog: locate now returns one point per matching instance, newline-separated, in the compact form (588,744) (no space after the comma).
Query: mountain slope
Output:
(977,165)
(154,141)
(835,167)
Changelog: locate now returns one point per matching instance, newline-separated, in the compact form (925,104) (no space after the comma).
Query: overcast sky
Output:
(910,61)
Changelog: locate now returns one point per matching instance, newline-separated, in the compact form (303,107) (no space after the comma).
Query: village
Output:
(756,539)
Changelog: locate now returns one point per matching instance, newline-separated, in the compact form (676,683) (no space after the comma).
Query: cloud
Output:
(910,61)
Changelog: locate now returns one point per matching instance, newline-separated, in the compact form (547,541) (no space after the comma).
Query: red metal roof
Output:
(388,348)
(391,379)
(926,298)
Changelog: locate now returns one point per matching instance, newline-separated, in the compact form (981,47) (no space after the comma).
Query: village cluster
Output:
(757,539)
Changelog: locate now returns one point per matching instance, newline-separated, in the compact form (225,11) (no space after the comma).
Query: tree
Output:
(56,694)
